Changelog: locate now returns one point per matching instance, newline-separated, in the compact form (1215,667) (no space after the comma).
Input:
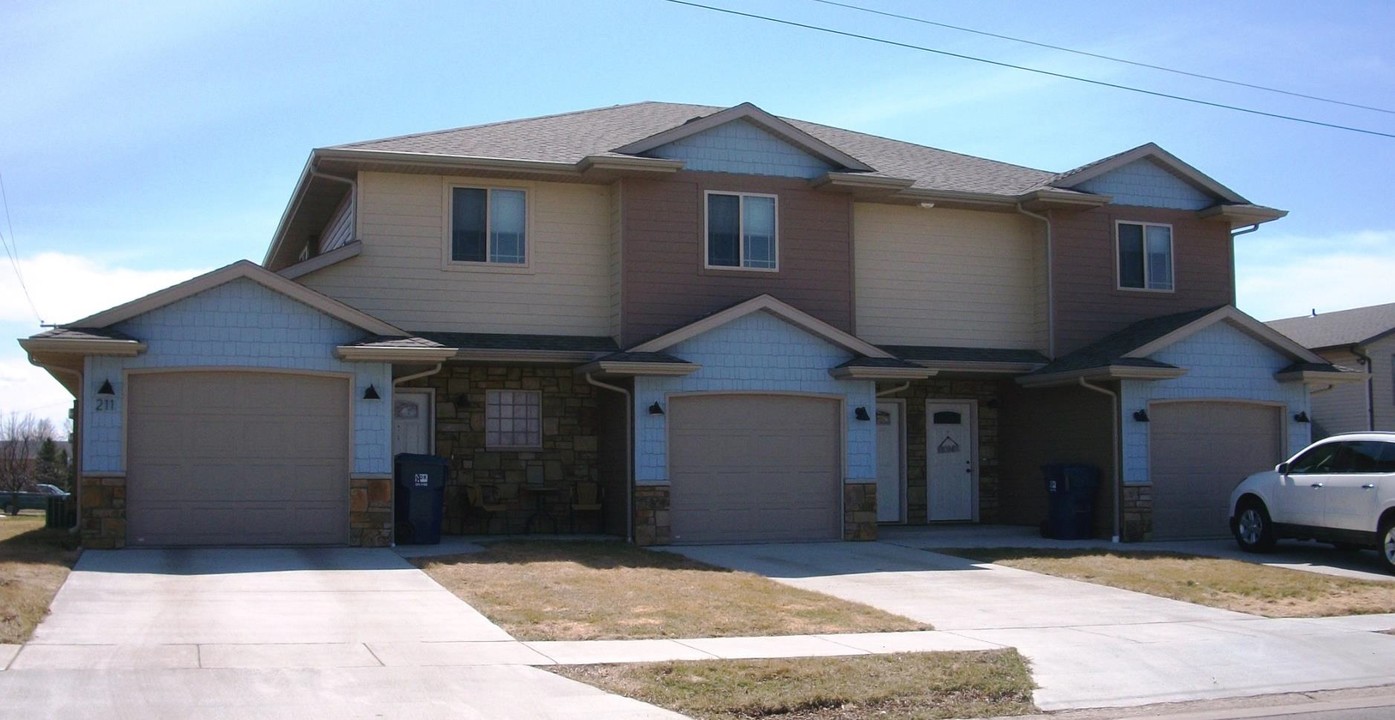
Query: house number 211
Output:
(105,404)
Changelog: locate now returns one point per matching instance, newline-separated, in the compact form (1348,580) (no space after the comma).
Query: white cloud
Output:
(68,287)
(26,389)
(1287,275)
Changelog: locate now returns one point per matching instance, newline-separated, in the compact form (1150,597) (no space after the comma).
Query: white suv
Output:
(1339,490)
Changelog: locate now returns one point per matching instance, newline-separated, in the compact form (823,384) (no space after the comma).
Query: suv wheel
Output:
(1387,544)
(1255,533)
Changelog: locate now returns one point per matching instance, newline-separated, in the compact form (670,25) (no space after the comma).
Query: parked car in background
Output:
(1339,490)
(35,498)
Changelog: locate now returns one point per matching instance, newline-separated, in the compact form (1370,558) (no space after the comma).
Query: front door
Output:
(889,477)
(411,422)
(951,448)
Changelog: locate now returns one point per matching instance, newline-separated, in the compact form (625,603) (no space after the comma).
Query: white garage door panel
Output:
(1199,452)
(755,468)
(237,459)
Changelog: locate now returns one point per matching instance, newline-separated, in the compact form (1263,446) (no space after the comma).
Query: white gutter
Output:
(1114,411)
(893,391)
(1370,386)
(629,456)
(395,383)
(418,376)
(353,189)
(1050,284)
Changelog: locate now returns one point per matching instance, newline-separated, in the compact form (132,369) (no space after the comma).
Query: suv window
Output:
(1320,459)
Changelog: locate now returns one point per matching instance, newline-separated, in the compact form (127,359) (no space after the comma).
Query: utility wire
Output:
(14,252)
(1098,56)
(1063,76)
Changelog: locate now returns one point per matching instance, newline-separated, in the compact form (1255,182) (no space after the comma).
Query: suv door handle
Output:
(1368,486)
(1316,485)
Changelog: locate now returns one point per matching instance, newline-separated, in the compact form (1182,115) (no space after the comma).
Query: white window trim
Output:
(447,218)
(1171,254)
(741,249)
(506,448)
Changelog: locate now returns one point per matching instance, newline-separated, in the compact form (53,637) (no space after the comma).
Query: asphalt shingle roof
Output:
(1112,349)
(83,334)
(496,341)
(1344,327)
(936,353)
(570,137)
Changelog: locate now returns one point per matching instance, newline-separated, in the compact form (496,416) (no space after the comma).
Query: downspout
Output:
(893,391)
(76,456)
(629,456)
(353,189)
(1050,283)
(1244,231)
(418,376)
(1370,386)
(1113,448)
(395,383)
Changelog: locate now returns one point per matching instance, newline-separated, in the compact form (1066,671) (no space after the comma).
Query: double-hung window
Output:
(1145,256)
(488,225)
(741,231)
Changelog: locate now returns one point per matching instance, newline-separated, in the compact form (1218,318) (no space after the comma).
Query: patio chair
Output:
(587,497)
(488,501)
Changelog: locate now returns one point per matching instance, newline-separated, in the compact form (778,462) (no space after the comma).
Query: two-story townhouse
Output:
(740,327)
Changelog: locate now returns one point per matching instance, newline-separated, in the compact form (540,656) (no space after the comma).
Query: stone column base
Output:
(860,511)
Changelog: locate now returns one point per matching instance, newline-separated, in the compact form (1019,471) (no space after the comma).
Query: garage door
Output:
(755,468)
(1199,451)
(237,459)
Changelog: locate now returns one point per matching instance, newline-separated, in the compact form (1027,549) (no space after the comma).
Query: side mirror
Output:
(1281,468)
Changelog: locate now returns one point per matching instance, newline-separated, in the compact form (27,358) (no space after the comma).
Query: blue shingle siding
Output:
(1143,183)
(755,353)
(1222,363)
(743,148)
(239,324)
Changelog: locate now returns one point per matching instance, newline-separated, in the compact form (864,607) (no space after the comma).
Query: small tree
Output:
(20,440)
(48,468)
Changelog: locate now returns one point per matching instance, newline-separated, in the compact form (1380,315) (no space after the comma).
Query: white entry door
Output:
(951,448)
(889,465)
(411,422)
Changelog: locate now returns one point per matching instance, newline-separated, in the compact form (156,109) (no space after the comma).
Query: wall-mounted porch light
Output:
(1140,415)
(106,388)
(371,393)
(656,408)
(1302,417)
(861,414)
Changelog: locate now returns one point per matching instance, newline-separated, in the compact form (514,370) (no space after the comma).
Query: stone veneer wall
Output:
(1138,513)
(652,525)
(860,511)
(986,393)
(370,512)
(102,512)
(569,442)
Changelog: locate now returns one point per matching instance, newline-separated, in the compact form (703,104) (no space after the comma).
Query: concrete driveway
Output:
(279,633)
(1089,645)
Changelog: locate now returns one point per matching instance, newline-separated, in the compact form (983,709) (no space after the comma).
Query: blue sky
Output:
(141,144)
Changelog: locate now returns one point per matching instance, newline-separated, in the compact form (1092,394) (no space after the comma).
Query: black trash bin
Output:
(59,512)
(420,498)
(1070,490)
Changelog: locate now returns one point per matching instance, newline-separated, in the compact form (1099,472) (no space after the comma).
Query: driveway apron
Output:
(273,633)
(1089,645)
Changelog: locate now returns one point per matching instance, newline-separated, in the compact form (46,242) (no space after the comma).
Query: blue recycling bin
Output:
(420,498)
(1070,492)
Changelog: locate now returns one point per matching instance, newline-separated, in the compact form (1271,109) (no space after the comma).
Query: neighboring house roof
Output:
(1124,354)
(1356,326)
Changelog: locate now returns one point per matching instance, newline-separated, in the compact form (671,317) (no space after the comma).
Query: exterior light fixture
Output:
(861,414)
(1140,415)
(106,388)
(371,393)
(656,408)
(1302,417)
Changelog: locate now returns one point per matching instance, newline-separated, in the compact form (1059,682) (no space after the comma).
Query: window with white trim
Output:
(741,231)
(488,225)
(1145,256)
(513,419)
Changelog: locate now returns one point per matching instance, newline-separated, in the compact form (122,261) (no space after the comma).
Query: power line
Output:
(14,252)
(1063,76)
(1135,63)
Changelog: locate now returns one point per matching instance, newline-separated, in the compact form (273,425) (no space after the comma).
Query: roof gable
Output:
(760,119)
(1159,159)
(1229,314)
(242,269)
(769,304)
(744,148)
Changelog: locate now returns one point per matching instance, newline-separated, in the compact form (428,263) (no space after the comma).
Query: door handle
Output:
(1316,485)
(1368,486)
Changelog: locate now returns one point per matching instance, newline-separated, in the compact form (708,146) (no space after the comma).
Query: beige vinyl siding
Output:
(617,249)
(946,277)
(402,277)
(339,231)
(1343,408)
(1382,354)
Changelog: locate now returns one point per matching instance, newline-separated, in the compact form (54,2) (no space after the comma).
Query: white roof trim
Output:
(1322,377)
(764,120)
(857,372)
(1243,322)
(1107,372)
(1162,157)
(242,269)
(621,367)
(360,353)
(323,260)
(775,307)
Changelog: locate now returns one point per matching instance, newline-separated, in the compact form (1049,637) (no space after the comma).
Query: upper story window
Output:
(1145,256)
(741,231)
(488,225)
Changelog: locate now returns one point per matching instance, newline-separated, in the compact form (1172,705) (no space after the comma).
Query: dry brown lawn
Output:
(909,686)
(596,590)
(34,562)
(1228,584)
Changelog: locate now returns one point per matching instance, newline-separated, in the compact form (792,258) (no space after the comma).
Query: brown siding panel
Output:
(1089,304)
(666,285)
